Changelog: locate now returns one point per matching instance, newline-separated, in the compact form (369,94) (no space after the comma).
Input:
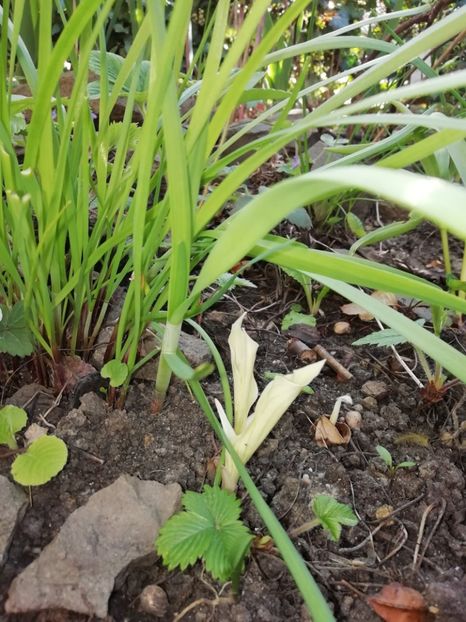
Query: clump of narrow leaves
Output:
(210,529)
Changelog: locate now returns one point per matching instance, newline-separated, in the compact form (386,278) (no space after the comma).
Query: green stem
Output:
(461,293)
(445,250)
(170,341)
(424,364)
(307,526)
(315,602)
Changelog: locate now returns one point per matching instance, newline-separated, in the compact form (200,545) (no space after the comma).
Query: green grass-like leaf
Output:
(12,420)
(332,515)
(44,459)
(209,529)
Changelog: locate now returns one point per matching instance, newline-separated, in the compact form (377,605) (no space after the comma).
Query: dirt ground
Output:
(423,545)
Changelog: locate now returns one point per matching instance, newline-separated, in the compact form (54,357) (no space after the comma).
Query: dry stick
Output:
(417,562)
(298,348)
(400,509)
(342,373)
(399,546)
(204,601)
(424,18)
(402,362)
(457,40)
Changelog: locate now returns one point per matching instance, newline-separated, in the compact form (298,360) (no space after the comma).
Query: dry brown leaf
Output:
(329,434)
(412,438)
(397,603)
(386,297)
(354,309)
(70,370)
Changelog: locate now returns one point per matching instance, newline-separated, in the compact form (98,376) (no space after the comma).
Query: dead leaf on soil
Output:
(412,438)
(354,309)
(397,603)
(329,434)
(70,370)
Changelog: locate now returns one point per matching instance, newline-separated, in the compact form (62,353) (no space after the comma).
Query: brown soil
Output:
(176,445)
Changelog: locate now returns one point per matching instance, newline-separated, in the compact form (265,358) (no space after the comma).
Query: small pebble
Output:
(342,328)
(370,403)
(375,388)
(353,419)
(153,600)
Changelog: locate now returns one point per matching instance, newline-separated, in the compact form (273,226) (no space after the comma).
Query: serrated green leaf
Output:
(15,336)
(116,371)
(385,455)
(295,317)
(12,420)
(384,338)
(209,529)
(43,459)
(332,515)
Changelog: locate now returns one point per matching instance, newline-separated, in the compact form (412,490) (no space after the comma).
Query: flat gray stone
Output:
(77,570)
(12,507)
(375,388)
(194,348)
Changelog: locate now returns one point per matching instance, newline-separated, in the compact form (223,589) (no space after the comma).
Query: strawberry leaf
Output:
(15,336)
(209,529)
(332,515)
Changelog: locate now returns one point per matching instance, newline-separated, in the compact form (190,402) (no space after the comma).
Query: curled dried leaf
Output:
(329,434)
(397,603)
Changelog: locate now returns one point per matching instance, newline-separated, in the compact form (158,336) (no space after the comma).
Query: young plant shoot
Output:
(249,431)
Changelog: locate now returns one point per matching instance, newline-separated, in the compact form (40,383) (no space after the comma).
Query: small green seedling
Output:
(44,458)
(330,514)
(295,316)
(388,459)
(116,372)
(12,420)
(209,529)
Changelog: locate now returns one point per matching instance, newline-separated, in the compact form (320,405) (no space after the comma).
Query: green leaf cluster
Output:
(294,317)
(387,457)
(331,515)
(44,458)
(209,529)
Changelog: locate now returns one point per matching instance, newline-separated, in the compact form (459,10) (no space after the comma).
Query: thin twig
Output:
(402,362)
(417,559)
(342,373)
(400,545)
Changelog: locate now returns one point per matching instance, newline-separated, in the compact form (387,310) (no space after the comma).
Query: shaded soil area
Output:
(411,520)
